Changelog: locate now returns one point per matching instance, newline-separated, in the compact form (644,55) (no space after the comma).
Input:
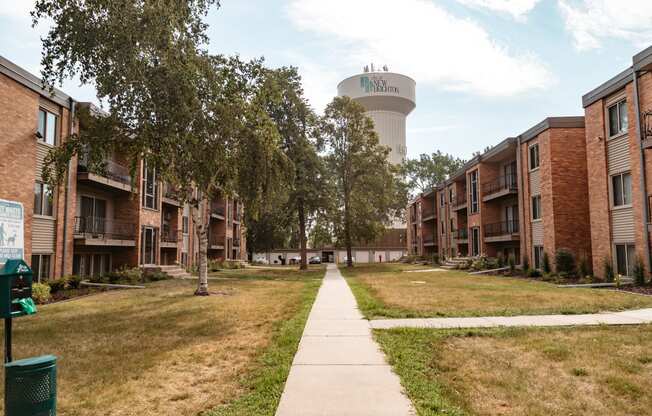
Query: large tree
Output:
(427,171)
(368,194)
(298,129)
(197,119)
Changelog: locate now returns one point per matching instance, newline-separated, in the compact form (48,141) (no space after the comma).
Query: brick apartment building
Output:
(94,223)
(618,142)
(523,197)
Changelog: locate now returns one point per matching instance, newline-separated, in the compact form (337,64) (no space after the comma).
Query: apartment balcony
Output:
(429,241)
(113,176)
(428,215)
(500,187)
(170,238)
(459,202)
(461,236)
(97,231)
(237,216)
(170,195)
(216,241)
(501,232)
(218,211)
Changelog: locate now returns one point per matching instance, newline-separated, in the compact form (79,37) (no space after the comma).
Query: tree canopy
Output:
(427,171)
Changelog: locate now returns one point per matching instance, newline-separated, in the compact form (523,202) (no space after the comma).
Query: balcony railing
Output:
(216,239)
(170,192)
(501,228)
(170,236)
(429,239)
(461,234)
(102,228)
(502,183)
(427,213)
(109,169)
(459,200)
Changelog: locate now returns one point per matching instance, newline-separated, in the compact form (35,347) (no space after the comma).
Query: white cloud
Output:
(592,21)
(16,8)
(518,9)
(422,40)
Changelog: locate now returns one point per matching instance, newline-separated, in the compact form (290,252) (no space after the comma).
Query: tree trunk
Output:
(201,220)
(302,237)
(347,230)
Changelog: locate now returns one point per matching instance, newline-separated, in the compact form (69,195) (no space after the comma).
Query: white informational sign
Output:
(12,220)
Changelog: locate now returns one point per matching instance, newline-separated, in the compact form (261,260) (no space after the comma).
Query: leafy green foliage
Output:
(546,263)
(526,264)
(427,171)
(565,262)
(41,293)
(639,272)
(368,194)
(608,269)
(584,268)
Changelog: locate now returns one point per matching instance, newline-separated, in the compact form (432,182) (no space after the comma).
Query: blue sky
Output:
(485,69)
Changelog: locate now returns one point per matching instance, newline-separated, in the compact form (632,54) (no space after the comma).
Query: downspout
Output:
(521,202)
(646,208)
(71,127)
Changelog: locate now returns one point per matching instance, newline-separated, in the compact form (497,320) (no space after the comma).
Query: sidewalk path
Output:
(339,369)
(632,317)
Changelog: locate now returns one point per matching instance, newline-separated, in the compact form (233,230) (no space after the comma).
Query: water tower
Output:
(388,98)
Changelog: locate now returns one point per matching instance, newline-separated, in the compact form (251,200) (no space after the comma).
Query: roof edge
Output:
(607,88)
(32,82)
(552,123)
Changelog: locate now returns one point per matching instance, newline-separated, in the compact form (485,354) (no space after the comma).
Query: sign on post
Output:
(12,219)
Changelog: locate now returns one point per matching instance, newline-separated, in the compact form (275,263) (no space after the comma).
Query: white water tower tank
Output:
(388,98)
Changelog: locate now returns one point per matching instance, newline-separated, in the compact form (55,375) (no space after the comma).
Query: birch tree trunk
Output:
(200,218)
(302,237)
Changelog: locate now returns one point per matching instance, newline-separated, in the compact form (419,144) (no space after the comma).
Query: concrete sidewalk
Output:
(632,317)
(339,369)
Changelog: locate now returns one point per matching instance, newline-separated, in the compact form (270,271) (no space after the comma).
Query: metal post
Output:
(8,357)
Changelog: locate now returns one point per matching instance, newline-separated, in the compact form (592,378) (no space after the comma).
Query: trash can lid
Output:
(33,362)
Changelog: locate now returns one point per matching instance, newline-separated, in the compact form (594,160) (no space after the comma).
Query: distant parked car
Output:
(295,260)
(315,260)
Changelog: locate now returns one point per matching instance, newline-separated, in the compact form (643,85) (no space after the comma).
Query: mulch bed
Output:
(641,290)
(68,294)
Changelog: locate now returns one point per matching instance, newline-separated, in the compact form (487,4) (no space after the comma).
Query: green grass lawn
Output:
(162,351)
(387,291)
(585,371)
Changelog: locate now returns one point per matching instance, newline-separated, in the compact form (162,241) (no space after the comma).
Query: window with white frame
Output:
(621,189)
(534,156)
(475,241)
(538,257)
(47,127)
(41,267)
(442,199)
(150,188)
(625,258)
(536,207)
(42,199)
(618,120)
(474,192)
(184,225)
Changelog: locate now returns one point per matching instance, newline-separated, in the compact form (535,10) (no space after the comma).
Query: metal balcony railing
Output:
(459,200)
(461,234)
(501,228)
(502,183)
(170,236)
(109,169)
(429,239)
(426,213)
(216,239)
(217,209)
(102,228)
(170,192)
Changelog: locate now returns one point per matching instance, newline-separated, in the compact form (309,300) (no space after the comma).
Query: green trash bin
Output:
(31,387)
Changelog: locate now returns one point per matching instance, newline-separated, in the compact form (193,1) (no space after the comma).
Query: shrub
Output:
(41,293)
(608,269)
(215,265)
(511,261)
(479,264)
(565,262)
(435,259)
(546,263)
(74,281)
(56,285)
(639,272)
(500,261)
(157,276)
(526,264)
(533,273)
(584,268)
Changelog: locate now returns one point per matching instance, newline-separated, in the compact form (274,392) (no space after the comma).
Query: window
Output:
(47,127)
(149,238)
(621,189)
(42,199)
(443,228)
(450,195)
(150,188)
(475,241)
(442,200)
(625,259)
(536,207)
(618,121)
(184,225)
(538,257)
(474,191)
(41,267)
(534,156)
(91,264)
(452,225)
